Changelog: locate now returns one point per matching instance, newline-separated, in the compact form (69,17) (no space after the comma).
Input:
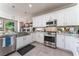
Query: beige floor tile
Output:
(41,50)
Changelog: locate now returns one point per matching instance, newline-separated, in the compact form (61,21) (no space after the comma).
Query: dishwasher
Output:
(4,51)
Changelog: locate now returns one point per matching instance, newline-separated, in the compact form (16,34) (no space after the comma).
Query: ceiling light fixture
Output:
(30,5)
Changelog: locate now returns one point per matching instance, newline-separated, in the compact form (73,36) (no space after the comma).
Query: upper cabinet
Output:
(67,17)
(39,21)
(64,17)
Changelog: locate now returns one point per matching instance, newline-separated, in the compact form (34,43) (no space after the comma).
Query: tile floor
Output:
(41,50)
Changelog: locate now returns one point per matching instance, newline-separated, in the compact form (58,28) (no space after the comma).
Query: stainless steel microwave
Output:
(51,23)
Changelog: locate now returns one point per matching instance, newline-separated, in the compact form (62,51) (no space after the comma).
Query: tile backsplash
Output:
(74,30)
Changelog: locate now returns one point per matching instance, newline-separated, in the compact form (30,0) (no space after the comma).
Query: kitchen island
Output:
(23,39)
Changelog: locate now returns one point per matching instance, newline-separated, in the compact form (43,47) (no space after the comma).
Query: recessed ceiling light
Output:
(30,5)
(13,6)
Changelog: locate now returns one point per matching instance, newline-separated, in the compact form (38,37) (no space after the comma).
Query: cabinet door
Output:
(76,47)
(19,43)
(27,40)
(34,36)
(40,37)
(60,41)
(39,21)
(68,42)
(60,19)
(35,22)
(37,38)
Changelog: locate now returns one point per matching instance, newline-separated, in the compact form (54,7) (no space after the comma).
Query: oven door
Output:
(49,39)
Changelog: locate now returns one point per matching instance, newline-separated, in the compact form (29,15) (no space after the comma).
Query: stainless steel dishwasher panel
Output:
(0,46)
(6,50)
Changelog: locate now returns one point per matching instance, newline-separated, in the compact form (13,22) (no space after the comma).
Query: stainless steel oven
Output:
(50,40)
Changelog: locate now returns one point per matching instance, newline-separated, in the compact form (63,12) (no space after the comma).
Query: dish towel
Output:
(7,41)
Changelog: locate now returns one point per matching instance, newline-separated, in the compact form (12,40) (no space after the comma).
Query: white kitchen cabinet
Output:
(65,42)
(34,36)
(23,41)
(35,22)
(38,36)
(72,44)
(27,40)
(67,17)
(41,37)
(39,21)
(60,41)
(19,42)
(69,43)
(76,47)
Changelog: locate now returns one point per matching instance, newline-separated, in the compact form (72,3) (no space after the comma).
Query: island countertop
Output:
(4,35)
(19,34)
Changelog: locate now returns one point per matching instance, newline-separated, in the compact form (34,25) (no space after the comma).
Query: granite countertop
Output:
(3,35)
(19,34)
(69,34)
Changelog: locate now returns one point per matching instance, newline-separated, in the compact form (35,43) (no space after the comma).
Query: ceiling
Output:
(23,9)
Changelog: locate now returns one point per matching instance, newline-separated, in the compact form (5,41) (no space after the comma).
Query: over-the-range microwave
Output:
(51,23)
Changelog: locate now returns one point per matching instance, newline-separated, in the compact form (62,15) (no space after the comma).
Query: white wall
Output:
(5,15)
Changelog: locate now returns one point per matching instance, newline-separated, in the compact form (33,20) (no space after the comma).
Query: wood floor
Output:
(41,50)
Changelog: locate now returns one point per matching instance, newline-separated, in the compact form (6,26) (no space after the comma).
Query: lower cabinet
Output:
(76,47)
(19,42)
(39,37)
(67,43)
(60,41)
(23,41)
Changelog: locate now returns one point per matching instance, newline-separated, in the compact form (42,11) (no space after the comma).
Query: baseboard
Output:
(10,53)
